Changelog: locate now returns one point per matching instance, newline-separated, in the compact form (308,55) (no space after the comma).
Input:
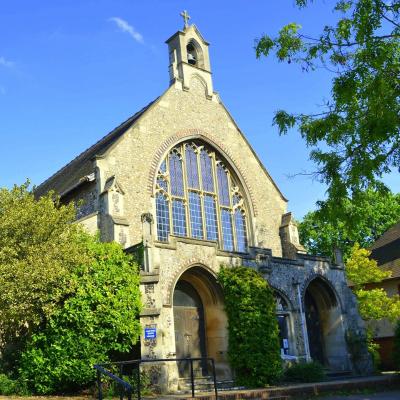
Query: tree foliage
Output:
(373,303)
(39,247)
(363,219)
(100,318)
(254,350)
(355,138)
(67,301)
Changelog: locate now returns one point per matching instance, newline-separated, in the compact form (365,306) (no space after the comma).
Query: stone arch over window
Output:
(198,195)
(194,54)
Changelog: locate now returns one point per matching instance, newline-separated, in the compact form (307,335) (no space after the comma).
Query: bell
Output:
(191,59)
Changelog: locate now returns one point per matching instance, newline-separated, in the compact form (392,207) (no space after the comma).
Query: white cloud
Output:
(6,63)
(124,26)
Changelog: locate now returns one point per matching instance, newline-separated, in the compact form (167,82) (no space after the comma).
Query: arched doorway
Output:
(324,326)
(200,322)
(189,326)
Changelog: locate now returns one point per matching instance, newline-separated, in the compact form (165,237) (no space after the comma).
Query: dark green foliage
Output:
(99,318)
(254,351)
(363,218)
(305,372)
(355,138)
(7,385)
(396,347)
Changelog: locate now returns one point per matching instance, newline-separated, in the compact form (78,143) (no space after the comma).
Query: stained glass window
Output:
(163,167)
(162,183)
(162,210)
(178,217)
(240,225)
(206,171)
(210,213)
(197,197)
(196,220)
(223,186)
(227,233)
(191,168)
(176,176)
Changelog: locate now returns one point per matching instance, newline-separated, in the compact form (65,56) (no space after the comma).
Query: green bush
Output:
(99,319)
(7,385)
(305,372)
(253,350)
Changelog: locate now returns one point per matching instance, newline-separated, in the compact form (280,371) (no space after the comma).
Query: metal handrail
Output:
(129,388)
(101,370)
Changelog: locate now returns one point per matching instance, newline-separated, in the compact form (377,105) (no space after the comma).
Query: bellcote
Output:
(189,60)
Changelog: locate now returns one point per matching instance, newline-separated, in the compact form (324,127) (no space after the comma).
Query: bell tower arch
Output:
(189,56)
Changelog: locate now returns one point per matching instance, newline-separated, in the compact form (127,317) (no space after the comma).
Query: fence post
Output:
(138,381)
(215,378)
(192,376)
(99,385)
(121,388)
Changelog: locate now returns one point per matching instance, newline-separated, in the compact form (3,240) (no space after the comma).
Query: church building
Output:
(179,184)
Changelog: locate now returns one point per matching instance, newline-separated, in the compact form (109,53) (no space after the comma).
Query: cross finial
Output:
(185,17)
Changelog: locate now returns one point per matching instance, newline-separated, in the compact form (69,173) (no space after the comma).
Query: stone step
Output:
(332,375)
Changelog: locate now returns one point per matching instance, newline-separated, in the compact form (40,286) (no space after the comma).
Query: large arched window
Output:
(197,196)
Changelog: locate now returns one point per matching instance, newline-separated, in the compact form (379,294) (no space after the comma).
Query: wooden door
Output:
(189,328)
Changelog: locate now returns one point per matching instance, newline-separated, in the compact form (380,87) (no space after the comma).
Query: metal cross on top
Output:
(185,17)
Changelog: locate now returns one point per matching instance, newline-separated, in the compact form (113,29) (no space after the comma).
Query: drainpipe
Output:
(303,322)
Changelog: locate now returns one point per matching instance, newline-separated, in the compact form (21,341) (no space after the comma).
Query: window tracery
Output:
(197,196)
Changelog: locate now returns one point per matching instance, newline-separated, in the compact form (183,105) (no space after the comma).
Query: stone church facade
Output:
(179,183)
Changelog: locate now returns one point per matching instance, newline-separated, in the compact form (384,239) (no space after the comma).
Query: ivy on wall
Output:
(253,350)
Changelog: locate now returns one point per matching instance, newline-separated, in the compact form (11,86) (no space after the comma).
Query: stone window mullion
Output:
(218,207)
(186,193)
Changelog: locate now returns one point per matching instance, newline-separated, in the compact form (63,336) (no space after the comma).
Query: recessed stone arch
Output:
(180,271)
(334,297)
(205,316)
(326,334)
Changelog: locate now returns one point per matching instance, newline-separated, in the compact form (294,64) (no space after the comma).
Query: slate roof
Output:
(389,236)
(386,250)
(97,149)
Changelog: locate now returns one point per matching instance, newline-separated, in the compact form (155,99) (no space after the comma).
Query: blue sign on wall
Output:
(150,333)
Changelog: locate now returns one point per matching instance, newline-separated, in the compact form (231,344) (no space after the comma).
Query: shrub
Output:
(305,372)
(253,350)
(7,385)
(100,318)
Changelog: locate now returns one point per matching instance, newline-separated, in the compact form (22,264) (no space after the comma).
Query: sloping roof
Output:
(386,250)
(393,266)
(98,148)
(389,236)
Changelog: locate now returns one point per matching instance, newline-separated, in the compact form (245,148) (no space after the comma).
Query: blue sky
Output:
(72,70)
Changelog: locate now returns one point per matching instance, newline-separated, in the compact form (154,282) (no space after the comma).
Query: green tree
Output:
(253,350)
(98,320)
(355,137)
(39,247)
(373,303)
(364,217)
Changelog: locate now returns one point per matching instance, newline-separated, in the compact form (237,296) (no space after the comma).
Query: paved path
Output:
(395,395)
